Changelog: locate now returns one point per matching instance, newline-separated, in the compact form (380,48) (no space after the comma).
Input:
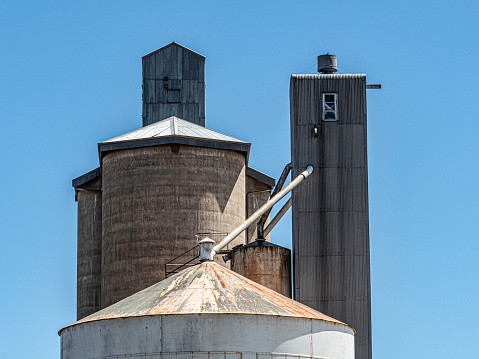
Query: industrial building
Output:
(170,195)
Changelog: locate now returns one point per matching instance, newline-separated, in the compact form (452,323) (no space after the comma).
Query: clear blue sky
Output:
(71,77)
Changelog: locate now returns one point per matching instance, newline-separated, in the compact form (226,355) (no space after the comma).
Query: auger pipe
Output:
(277,188)
(278,216)
(272,201)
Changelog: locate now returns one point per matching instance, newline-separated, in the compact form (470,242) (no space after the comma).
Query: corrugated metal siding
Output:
(185,73)
(330,210)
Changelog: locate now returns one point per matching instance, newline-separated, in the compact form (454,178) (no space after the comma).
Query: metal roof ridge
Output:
(170,44)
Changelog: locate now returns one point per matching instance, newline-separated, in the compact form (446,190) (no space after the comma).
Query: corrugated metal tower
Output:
(330,211)
(173,85)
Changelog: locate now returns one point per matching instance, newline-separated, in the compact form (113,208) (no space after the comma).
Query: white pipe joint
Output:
(206,249)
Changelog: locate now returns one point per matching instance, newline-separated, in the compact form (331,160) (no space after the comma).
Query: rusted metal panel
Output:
(330,210)
(207,288)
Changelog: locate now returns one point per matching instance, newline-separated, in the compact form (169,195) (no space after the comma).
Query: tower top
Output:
(327,64)
(173,85)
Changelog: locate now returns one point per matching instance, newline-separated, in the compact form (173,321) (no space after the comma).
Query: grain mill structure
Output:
(330,212)
(175,259)
(161,187)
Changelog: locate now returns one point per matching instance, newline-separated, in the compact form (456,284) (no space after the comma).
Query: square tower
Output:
(173,85)
(330,210)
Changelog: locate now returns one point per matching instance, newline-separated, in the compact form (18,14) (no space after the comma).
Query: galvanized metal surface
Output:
(205,336)
(207,288)
(173,126)
(173,85)
(330,211)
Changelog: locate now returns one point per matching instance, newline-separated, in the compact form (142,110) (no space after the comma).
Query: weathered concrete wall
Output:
(89,248)
(208,336)
(255,201)
(155,199)
(266,265)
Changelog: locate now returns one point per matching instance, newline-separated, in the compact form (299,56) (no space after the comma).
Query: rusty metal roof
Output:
(207,288)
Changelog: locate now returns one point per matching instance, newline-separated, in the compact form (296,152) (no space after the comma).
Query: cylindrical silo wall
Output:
(257,195)
(89,248)
(155,199)
(266,265)
(203,336)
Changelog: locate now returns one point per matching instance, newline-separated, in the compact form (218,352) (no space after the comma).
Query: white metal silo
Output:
(207,312)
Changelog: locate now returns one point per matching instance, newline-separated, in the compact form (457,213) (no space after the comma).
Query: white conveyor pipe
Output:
(278,216)
(271,202)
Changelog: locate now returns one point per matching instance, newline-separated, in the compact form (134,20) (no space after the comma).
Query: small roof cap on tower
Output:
(327,64)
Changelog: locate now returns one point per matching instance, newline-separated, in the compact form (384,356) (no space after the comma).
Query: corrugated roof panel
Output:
(173,126)
(327,76)
(207,288)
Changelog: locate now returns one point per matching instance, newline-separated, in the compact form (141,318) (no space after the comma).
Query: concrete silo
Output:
(265,263)
(88,194)
(161,185)
(164,183)
(207,312)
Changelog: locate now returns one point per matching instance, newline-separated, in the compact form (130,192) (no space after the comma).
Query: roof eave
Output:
(243,148)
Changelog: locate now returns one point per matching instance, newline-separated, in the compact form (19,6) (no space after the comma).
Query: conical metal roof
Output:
(207,288)
(174,130)
(173,126)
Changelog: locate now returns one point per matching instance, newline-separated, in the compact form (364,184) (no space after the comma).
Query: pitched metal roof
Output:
(171,44)
(207,288)
(173,126)
(174,130)
(87,177)
(260,176)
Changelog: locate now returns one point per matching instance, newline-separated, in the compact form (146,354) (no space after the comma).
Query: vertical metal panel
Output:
(173,67)
(330,210)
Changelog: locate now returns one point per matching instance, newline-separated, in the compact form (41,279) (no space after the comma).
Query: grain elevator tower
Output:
(330,211)
(173,85)
(161,187)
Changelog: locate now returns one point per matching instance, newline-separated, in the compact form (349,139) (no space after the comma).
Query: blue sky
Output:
(71,77)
